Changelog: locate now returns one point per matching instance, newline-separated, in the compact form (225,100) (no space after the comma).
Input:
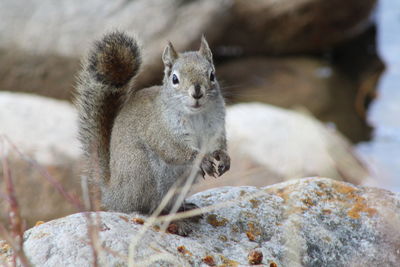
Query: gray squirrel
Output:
(140,142)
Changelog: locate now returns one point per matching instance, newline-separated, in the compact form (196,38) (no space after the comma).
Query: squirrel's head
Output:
(191,76)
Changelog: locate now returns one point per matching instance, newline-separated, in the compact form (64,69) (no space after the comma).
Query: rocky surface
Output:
(270,144)
(43,130)
(307,222)
(286,26)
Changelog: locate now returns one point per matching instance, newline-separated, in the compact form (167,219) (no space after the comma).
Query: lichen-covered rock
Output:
(307,222)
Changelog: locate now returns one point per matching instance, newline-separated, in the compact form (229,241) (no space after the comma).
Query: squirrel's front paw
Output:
(208,166)
(224,161)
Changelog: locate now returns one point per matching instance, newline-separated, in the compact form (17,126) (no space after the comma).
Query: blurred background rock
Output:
(318,58)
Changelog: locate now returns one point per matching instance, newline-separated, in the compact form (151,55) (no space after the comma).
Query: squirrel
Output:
(146,140)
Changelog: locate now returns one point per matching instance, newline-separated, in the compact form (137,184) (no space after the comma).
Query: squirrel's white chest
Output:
(203,132)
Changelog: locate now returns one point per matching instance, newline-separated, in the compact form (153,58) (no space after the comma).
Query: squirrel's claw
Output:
(208,166)
(221,169)
(224,163)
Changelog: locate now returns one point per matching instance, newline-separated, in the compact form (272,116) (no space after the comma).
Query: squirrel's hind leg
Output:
(188,206)
(183,227)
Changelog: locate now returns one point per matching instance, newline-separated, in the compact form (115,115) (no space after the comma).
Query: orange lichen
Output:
(255,203)
(343,196)
(321,185)
(349,197)
(250,236)
(283,193)
(212,219)
(183,250)
(360,206)
(253,228)
(39,223)
(137,220)
(255,257)
(354,212)
(228,263)
(344,188)
(252,231)
(209,260)
(295,209)
(308,202)
(273,264)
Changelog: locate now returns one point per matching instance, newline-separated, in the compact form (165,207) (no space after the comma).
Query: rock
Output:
(286,26)
(48,75)
(46,34)
(268,144)
(42,130)
(307,222)
(42,126)
(292,82)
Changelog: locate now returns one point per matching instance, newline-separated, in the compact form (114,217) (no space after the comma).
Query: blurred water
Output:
(382,153)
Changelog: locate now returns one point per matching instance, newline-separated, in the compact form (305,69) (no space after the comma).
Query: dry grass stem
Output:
(15,237)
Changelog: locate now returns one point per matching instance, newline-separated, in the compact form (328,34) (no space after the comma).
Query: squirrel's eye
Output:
(175,79)
(212,76)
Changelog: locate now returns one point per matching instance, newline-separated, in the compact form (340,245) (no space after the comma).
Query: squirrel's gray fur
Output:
(138,143)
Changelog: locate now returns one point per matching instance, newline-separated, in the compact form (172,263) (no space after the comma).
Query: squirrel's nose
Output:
(197,96)
(197,92)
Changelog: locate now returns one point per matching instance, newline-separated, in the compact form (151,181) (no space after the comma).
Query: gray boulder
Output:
(287,26)
(41,37)
(307,222)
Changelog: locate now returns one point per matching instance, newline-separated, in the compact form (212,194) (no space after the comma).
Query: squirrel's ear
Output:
(169,55)
(205,50)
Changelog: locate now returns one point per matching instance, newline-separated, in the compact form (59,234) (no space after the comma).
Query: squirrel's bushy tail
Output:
(102,86)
